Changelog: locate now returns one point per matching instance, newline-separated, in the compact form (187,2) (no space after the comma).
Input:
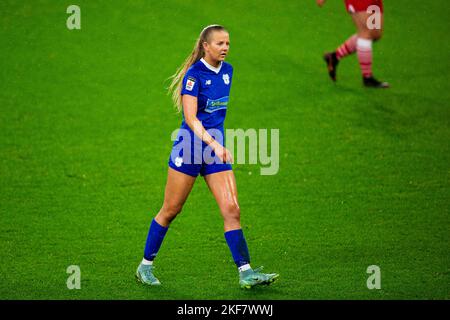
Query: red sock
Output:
(364,48)
(347,48)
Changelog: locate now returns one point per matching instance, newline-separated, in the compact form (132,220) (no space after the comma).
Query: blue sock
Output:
(238,247)
(154,240)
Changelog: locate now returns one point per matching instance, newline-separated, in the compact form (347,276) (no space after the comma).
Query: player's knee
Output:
(171,210)
(365,33)
(231,211)
(376,34)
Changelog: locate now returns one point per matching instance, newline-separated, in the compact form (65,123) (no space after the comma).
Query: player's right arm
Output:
(190,107)
(320,2)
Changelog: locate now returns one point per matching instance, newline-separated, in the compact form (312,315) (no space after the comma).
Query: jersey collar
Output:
(210,67)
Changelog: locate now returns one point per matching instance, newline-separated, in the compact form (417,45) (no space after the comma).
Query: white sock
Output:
(364,43)
(245,267)
(146,262)
(364,52)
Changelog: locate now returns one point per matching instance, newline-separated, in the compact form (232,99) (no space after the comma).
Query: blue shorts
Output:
(191,156)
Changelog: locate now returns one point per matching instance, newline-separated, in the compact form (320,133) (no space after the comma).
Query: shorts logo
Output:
(226,78)
(351,9)
(207,82)
(190,83)
(178,161)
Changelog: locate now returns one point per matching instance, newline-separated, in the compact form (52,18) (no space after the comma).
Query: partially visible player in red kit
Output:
(361,43)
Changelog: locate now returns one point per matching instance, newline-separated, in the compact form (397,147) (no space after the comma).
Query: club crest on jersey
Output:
(190,83)
(226,78)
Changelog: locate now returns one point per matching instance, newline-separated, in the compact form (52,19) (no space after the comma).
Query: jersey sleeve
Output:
(191,83)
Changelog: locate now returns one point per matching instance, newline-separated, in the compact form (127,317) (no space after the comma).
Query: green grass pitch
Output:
(85,127)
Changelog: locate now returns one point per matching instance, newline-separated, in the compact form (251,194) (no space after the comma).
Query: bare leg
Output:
(178,187)
(223,187)
(360,20)
(364,50)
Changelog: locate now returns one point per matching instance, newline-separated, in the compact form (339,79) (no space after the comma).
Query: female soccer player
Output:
(360,42)
(200,89)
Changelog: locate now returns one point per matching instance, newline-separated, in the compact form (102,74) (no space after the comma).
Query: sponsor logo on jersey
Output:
(190,83)
(217,104)
(226,78)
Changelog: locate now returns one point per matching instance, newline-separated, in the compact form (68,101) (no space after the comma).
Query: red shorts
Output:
(353,6)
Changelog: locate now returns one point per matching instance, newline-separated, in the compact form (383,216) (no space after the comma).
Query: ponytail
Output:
(197,53)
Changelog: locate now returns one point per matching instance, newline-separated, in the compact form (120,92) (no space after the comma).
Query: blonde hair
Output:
(197,53)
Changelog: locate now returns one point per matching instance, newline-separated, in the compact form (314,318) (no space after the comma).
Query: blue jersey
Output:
(211,86)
